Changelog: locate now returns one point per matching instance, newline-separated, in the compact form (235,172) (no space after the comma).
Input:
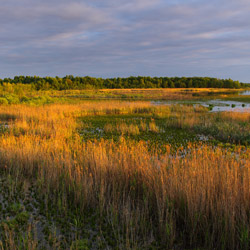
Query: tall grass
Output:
(231,127)
(199,200)
(26,93)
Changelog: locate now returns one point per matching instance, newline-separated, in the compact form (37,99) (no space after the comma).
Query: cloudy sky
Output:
(106,38)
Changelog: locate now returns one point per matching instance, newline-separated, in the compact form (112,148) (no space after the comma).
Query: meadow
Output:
(27,94)
(78,172)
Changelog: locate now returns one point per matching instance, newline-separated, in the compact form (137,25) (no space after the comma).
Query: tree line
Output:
(87,82)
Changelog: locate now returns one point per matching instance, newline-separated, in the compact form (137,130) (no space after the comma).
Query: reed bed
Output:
(27,94)
(146,200)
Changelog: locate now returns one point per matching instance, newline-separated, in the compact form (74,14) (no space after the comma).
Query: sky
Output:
(124,38)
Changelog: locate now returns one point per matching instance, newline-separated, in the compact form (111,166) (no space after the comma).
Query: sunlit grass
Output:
(195,196)
(26,94)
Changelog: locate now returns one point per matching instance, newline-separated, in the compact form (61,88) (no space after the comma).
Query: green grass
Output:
(239,98)
(22,93)
(27,216)
(93,127)
(212,127)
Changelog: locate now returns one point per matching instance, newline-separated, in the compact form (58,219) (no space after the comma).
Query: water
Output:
(221,105)
(215,105)
(247,92)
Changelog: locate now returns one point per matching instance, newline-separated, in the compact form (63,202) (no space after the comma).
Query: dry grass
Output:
(122,128)
(158,94)
(235,116)
(201,199)
(131,129)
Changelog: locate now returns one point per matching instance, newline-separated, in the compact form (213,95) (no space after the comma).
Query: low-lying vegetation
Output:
(123,175)
(27,94)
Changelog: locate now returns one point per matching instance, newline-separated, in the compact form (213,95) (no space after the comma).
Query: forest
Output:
(87,82)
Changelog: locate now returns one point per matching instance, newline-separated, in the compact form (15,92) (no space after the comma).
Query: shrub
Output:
(12,99)
(3,101)
(24,99)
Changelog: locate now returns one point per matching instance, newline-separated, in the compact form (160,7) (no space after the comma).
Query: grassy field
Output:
(122,174)
(242,98)
(26,94)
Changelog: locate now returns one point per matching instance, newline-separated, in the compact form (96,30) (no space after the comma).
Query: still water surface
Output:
(245,92)
(215,105)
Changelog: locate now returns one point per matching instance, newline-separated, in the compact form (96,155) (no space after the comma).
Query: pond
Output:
(247,92)
(214,105)
(222,105)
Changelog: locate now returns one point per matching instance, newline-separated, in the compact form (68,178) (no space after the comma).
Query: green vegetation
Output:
(176,125)
(239,98)
(135,127)
(113,174)
(27,94)
(71,82)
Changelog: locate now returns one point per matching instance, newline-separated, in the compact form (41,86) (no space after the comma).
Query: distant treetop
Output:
(87,82)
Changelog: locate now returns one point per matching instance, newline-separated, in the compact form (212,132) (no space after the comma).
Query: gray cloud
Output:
(122,38)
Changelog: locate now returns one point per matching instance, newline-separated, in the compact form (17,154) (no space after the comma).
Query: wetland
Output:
(124,169)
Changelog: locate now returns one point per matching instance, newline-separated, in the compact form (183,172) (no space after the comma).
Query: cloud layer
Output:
(123,38)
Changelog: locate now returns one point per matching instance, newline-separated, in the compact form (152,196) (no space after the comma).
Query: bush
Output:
(25,99)
(3,101)
(12,99)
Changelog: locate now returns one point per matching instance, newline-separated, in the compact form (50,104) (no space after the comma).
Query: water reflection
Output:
(220,105)
(213,105)
(247,92)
